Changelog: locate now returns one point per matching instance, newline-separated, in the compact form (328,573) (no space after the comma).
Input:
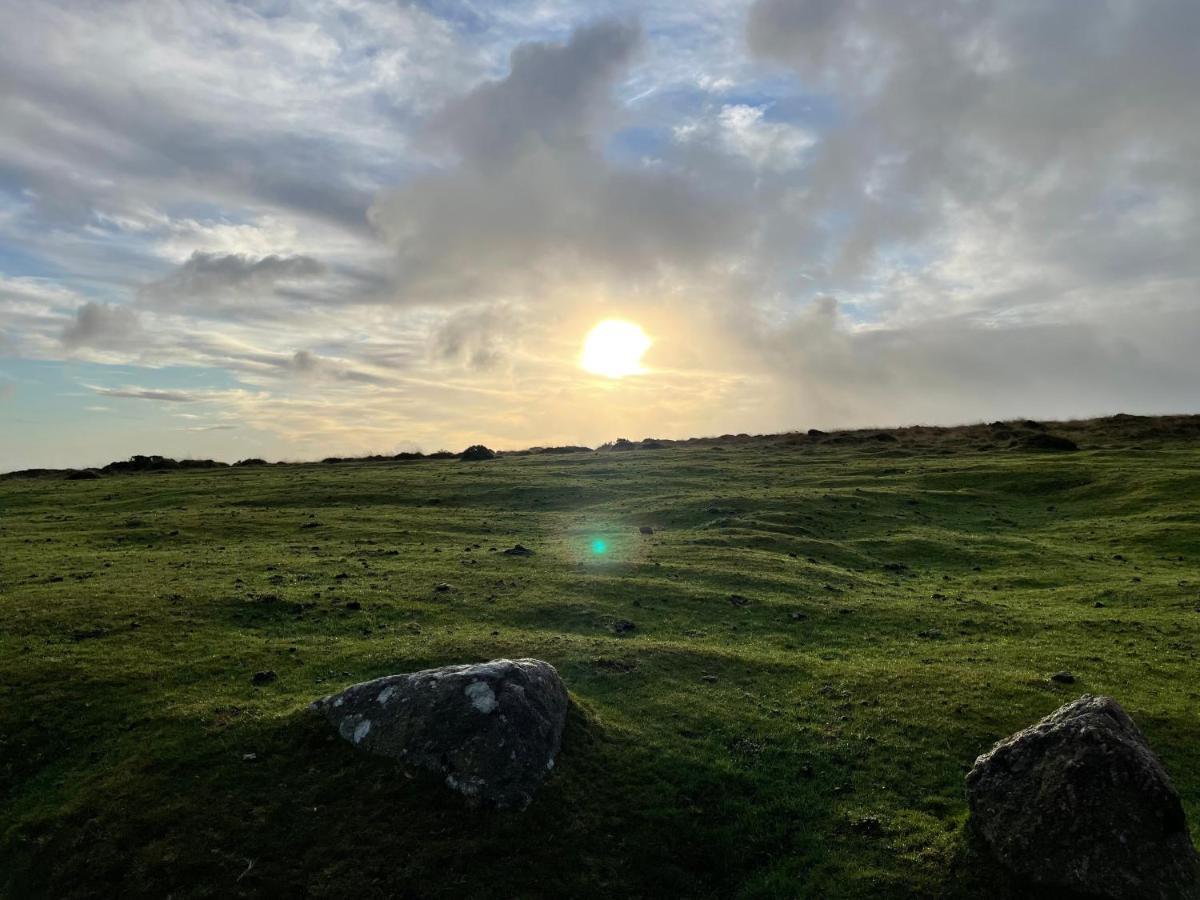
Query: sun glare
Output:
(614,349)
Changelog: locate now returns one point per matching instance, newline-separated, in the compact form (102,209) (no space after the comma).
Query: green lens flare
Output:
(599,547)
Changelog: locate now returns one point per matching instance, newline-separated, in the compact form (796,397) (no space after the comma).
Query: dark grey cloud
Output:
(1071,127)
(554,97)
(953,370)
(147,394)
(306,364)
(103,326)
(478,338)
(210,276)
(532,202)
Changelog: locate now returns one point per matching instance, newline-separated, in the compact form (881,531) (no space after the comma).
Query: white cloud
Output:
(743,131)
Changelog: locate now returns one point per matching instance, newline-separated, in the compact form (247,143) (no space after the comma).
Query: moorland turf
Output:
(907,602)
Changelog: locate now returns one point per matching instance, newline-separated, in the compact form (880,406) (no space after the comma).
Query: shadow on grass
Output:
(308,816)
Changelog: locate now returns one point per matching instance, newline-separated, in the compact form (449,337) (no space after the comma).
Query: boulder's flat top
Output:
(778,691)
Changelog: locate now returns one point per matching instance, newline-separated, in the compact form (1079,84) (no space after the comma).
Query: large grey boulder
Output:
(1080,802)
(490,729)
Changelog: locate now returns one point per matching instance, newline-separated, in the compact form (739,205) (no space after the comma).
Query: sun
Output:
(614,349)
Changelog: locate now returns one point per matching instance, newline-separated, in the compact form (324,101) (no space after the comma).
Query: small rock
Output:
(646,529)
(1063,678)
(518,550)
(870,826)
(249,757)
(622,626)
(264,677)
(442,587)
(708,678)
(739,600)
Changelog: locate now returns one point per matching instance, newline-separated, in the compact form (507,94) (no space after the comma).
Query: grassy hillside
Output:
(897,606)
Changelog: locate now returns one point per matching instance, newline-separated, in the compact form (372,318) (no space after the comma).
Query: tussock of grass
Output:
(901,613)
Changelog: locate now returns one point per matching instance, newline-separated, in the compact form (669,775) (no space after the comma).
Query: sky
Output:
(299,228)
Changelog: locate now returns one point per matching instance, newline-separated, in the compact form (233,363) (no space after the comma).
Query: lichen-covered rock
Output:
(490,729)
(1080,802)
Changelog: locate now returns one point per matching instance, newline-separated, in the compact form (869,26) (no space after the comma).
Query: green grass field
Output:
(906,604)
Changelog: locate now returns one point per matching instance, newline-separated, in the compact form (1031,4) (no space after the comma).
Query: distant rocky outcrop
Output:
(155,463)
(491,730)
(1043,441)
(476,453)
(1079,802)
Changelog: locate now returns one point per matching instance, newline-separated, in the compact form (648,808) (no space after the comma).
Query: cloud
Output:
(743,131)
(102,325)
(306,364)
(135,393)
(477,338)
(396,219)
(216,277)
(217,427)
(1038,121)
(532,205)
(554,97)
(215,104)
(841,374)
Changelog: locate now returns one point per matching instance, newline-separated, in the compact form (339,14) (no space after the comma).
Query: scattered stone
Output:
(1079,802)
(83,475)
(518,550)
(739,600)
(491,730)
(622,626)
(354,605)
(264,677)
(616,666)
(797,616)
(249,757)
(646,529)
(442,587)
(869,826)
(708,678)
(1098,604)
(1063,678)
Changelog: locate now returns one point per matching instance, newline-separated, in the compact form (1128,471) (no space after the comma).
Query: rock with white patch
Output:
(491,730)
